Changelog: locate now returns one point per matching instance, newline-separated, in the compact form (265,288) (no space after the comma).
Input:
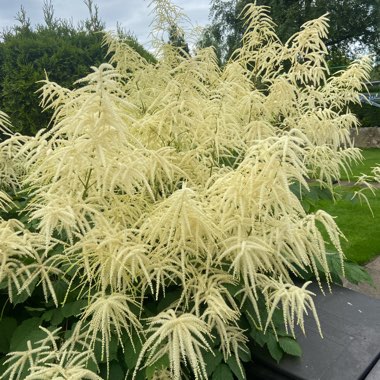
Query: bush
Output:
(58,50)
(158,227)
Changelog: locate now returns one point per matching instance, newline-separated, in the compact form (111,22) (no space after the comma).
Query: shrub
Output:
(58,49)
(158,227)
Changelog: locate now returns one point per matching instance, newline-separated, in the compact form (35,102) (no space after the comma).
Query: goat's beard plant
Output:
(160,226)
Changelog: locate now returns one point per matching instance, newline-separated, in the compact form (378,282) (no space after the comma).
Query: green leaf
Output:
(234,367)
(7,327)
(24,295)
(73,308)
(290,346)
(212,360)
(222,372)
(113,347)
(258,337)
(48,315)
(57,317)
(162,362)
(233,289)
(3,367)
(27,330)
(69,333)
(353,272)
(306,206)
(325,194)
(274,349)
(244,354)
(115,371)
(356,274)
(60,288)
(4,284)
(170,297)
(92,365)
(131,351)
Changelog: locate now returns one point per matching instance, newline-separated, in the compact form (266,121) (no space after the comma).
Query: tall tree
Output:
(177,39)
(354,24)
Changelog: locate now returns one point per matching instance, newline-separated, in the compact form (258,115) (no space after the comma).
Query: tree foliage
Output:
(157,224)
(353,23)
(177,39)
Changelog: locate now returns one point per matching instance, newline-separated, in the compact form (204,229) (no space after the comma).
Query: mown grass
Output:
(356,221)
(371,159)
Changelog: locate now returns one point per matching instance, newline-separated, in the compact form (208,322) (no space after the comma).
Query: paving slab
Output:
(350,349)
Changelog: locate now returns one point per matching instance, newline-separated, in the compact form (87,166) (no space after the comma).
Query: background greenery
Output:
(57,48)
(371,159)
(354,30)
(355,219)
(354,25)
(357,222)
(65,52)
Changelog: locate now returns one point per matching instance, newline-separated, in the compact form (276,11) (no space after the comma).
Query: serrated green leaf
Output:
(7,328)
(115,371)
(69,333)
(131,351)
(140,375)
(325,194)
(250,314)
(233,288)
(73,308)
(92,365)
(57,317)
(290,346)
(274,349)
(113,347)
(48,315)
(60,288)
(3,284)
(238,371)
(212,360)
(306,205)
(170,297)
(222,372)
(259,337)
(27,330)
(244,354)
(356,274)
(24,295)
(278,318)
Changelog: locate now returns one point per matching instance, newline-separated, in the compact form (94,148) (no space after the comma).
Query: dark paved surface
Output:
(350,349)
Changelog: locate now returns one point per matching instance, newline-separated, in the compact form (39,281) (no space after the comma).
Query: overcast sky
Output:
(132,15)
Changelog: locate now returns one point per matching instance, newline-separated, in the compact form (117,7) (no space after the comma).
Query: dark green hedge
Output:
(369,116)
(64,52)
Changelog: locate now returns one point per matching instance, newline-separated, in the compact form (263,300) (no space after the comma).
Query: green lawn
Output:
(371,158)
(355,219)
(357,223)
